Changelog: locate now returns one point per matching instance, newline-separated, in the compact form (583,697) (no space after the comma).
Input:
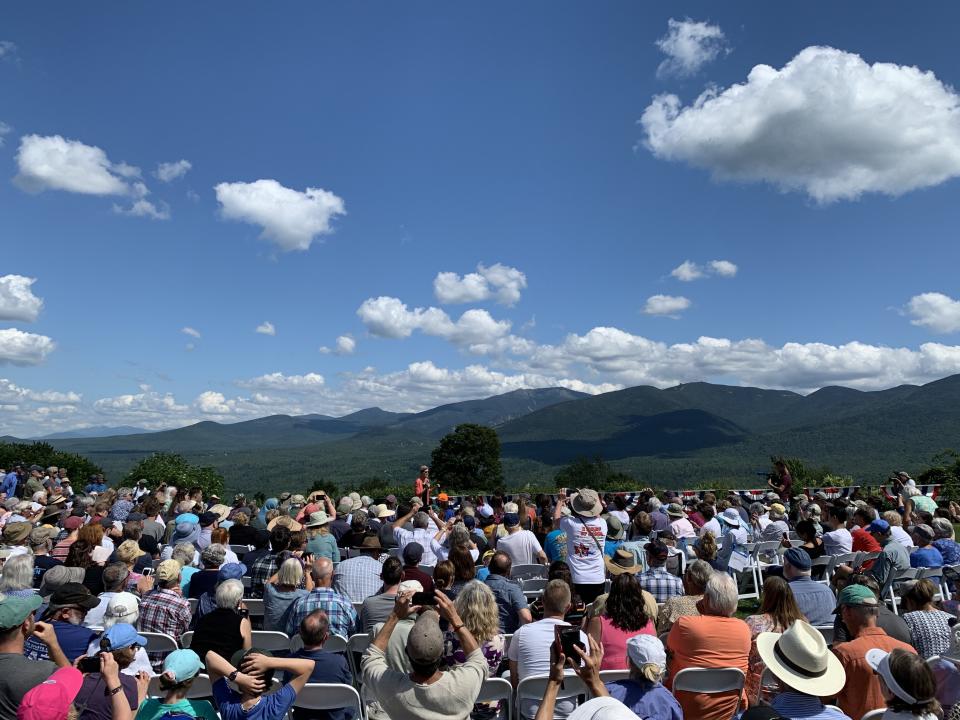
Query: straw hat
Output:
(317,519)
(623,561)
(801,659)
(587,503)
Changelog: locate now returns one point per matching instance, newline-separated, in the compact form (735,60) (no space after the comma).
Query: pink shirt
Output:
(614,641)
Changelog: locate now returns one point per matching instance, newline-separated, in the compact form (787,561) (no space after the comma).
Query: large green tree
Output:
(468,459)
(45,455)
(173,469)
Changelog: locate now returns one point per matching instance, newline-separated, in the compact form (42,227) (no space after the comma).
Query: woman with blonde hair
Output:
(477,608)
(705,548)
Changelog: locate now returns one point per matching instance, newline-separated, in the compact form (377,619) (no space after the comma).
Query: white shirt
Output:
(424,536)
(94,618)
(683,528)
(622,516)
(530,649)
(585,548)
(712,525)
(901,536)
(522,547)
(837,542)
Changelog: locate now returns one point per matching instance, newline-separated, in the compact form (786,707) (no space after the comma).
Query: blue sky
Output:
(538,141)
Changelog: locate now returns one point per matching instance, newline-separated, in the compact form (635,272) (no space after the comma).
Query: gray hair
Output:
(183,554)
(698,573)
(720,595)
(290,573)
(653,504)
(229,594)
(459,535)
(17,573)
(942,528)
(213,555)
(124,491)
(421,520)
(757,508)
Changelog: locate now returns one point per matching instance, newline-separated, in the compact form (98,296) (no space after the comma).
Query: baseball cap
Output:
(182,665)
(187,517)
(14,609)
(856,595)
(470,522)
(208,518)
(511,519)
(74,522)
(412,553)
(231,571)
(120,636)
(645,650)
(122,605)
(799,558)
(879,526)
(167,570)
(425,641)
(51,699)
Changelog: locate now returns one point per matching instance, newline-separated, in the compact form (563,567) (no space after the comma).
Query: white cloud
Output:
(936,311)
(214,403)
(689,45)
(191,332)
(827,124)
(55,163)
(23,348)
(8,50)
(168,172)
(17,301)
(723,268)
(289,218)
(345,345)
(309,382)
(266,328)
(144,208)
(141,405)
(10,392)
(499,282)
(475,330)
(687,271)
(4,131)
(666,305)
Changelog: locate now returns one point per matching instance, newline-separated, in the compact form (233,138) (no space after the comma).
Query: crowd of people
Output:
(450,591)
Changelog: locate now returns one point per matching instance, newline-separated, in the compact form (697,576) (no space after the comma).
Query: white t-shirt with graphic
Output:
(584,555)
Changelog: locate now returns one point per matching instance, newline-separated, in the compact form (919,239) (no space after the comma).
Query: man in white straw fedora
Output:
(800,659)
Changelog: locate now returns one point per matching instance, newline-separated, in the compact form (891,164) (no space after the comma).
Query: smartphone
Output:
(89,665)
(567,638)
(424,598)
(570,491)
(243,612)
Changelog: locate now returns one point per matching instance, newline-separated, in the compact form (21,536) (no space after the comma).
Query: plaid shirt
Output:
(165,611)
(661,584)
(339,610)
(261,571)
(358,578)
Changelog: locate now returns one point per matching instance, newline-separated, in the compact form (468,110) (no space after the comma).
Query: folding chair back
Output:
(356,646)
(160,642)
(498,690)
(614,675)
(535,687)
(710,681)
(524,572)
(330,696)
(199,689)
(186,639)
(334,644)
(874,714)
(271,640)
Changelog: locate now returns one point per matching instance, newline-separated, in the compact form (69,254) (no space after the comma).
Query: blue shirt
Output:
(555,545)
(74,641)
(926,557)
(510,601)
(9,485)
(815,600)
(328,667)
(792,704)
(271,707)
(651,702)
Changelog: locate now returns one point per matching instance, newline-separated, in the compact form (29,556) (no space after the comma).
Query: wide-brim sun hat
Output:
(675,510)
(731,517)
(587,503)
(317,519)
(623,561)
(801,659)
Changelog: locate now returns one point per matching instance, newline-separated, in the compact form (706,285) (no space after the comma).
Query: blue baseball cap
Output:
(231,571)
(187,518)
(470,521)
(879,526)
(123,635)
(799,558)
(182,664)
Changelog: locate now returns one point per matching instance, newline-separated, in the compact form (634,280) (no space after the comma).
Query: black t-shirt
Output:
(218,631)
(42,563)
(201,582)
(242,534)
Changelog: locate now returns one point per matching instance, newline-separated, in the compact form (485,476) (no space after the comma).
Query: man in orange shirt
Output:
(714,639)
(859,607)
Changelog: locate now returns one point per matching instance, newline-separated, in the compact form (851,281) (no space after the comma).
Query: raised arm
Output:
(401,610)
(218,667)
(448,611)
(299,668)
(401,521)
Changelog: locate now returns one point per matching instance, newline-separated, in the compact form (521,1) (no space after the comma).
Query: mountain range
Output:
(689,433)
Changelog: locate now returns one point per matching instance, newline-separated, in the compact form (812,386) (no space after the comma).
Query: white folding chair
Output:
(523,572)
(710,681)
(827,632)
(535,687)
(334,644)
(428,569)
(889,594)
(935,575)
(534,584)
(507,637)
(357,607)
(271,640)
(356,645)
(330,696)
(254,607)
(827,562)
(199,689)
(240,550)
(614,675)
(194,602)
(497,690)
(186,639)
(160,642)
